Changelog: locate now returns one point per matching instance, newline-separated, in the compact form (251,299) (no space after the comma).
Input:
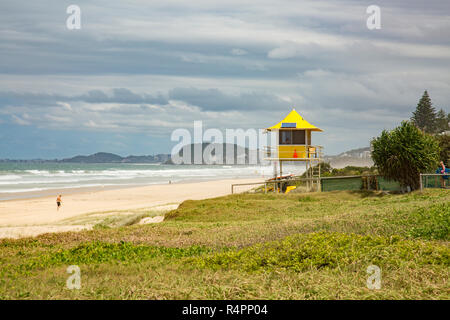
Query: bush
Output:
(327,250)
(444,144)
(431,223)
(327,171)
(403,153)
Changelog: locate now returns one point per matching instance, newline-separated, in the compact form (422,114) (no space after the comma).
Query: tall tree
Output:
(442,120)
(424,117)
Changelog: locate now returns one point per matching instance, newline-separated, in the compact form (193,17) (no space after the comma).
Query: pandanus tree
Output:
(405,152)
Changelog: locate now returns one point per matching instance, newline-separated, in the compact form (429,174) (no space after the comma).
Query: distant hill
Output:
(104,157)
(159,158)
(357,157)
(100,157)
(238,155)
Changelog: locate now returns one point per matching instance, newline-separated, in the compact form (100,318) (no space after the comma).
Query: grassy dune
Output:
(249,246)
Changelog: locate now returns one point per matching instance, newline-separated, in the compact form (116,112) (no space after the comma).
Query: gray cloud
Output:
(215,100)
(145,66)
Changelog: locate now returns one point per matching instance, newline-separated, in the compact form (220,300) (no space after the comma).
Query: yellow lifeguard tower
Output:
(294,144)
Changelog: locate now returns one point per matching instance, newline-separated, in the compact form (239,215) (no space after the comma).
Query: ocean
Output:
(20,180)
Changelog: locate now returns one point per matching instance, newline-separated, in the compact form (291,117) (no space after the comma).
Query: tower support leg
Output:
(307,177)
(281,169)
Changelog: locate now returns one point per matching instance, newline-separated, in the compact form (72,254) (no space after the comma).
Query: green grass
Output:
(430,223)
(315,251)
(248,246)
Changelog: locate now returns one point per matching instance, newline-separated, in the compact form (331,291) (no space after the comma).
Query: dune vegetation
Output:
(249,246)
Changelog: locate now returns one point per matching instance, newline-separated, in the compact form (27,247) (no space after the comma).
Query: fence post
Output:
(421,183)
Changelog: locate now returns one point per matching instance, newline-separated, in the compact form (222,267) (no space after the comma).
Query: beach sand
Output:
(31,217)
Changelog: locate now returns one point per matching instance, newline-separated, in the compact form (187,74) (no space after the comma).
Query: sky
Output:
(137,70)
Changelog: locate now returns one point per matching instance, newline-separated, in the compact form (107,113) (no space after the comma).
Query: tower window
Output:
(292,137)
(285,137)
(299,137)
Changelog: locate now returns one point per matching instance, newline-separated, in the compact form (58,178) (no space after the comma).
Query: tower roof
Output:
(293,121)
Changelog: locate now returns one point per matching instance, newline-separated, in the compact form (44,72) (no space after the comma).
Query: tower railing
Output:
(313,153)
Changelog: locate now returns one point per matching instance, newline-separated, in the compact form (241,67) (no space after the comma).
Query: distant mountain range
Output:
(227,153)
(356,157)
(103,157)
(238,153)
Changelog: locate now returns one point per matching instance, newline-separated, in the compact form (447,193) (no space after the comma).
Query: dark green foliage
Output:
(442,121)
(325,167)
(405,152)
(425,115)
(101,252)
(431,223)
(427,119)
(249,246)
(98,252)
(444,144)
(328,250)
(353,171)
(327,171)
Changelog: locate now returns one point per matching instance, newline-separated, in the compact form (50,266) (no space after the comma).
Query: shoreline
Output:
(37,215)
(12,196)
(37,181)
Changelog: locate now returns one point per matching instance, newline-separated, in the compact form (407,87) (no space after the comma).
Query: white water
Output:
(34,179)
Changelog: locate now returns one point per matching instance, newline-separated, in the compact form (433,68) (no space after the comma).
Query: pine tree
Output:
(424,117)
(442,120)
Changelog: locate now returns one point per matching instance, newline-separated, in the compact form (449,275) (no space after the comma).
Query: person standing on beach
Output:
(442,170)
(58,202)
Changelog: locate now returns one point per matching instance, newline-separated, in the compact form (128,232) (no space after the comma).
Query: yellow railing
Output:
(293,152)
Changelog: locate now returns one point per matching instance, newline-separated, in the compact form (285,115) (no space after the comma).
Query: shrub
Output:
(327,250)
(432,222)
(444,144)
(403,153)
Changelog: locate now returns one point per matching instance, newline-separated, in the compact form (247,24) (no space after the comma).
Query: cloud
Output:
(216,100)
(142,68)
(124,110)
(20,121)
(65,105)
(238,52)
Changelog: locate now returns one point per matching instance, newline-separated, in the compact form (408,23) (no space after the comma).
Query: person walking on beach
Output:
(58,202)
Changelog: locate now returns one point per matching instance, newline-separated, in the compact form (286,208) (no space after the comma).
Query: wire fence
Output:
(434,180)
(362,182)
(351,183)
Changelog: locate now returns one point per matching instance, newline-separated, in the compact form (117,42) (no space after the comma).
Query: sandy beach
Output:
(31,217)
